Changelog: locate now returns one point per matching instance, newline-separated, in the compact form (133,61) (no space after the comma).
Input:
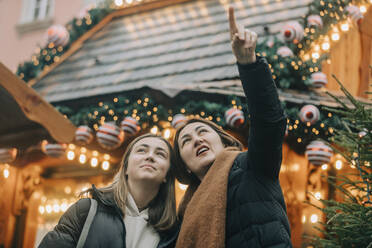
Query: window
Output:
(36,10)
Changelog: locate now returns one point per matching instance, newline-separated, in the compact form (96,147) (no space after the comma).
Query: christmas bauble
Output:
(178,120)
(309,113)
(314,21)
(293,32)
(58,34)
(85,11)
(318,153)
(130,125)
(234,117)
(83,135)
(7,155)
(354,14)
(318,79)
(55,150)
(110,136)
(284,51)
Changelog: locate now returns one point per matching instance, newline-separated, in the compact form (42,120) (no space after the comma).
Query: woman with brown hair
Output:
(234,198)
(137,210)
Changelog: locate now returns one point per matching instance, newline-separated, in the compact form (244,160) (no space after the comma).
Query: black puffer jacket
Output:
(256,211)
(107,229)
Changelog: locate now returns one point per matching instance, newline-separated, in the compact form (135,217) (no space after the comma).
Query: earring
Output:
(188,171)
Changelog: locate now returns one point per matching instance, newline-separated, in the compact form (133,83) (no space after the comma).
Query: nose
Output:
(150,156)
(197,141)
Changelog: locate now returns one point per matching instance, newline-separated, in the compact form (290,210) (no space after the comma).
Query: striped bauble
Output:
(314,21)
(55,150)
(58,35)
(110,136)
(7,155)
(318,79)
(309,113)
(178,120)
(234,117)
(83,135)
(293,32)
(284,51)
(130,125)
(354,14)
(318,153)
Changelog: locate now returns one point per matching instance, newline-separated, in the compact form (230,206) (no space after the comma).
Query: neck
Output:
(142,192)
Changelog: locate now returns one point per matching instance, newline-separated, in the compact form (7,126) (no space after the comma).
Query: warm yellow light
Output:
(182,186)
(314,218)
(56,208)
(318,195)
(71,146)
(41,210)
(82,158)
(335,36)
(64,207)
(315,55)
(95,153)
(154,130)
(48,208)
(303,218)
(129,1)
(345,26)
(106,157)
(324,166)
(83,150)
(67,190)
(326,46)
(167,133)
(6,173)
(105,165)
(70,155)
(295,167)
(118,2)
(338,164)
(363,9)
(94,162)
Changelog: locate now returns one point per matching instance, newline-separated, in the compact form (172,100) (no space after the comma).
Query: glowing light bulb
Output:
(154,130)
(335,35)
(326,46)
(64,207)
(338,164)
(324,166)
(182,186)
(315,55)
(41,210)
(303,219)
(318,195)
(363,9)
(314,218)
(167,133)
(56,208)
(94,162)
(48,208)
(105,165)
(345,26)
(82,158)
(118,2)
(106,157)
(70,155)
(6,173)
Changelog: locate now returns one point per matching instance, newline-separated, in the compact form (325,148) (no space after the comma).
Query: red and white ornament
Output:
(234,117)
(314,21)
(318,79)
(130,125)
(293,32)
(178,120)
(309,113)
(110,136)
(85,11)
(59,35)
(284,51)
(55,150)
(7,155)
(83,135)
(354,14)
(318,153)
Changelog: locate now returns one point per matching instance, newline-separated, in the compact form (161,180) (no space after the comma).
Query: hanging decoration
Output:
(57,35)
(178,120)
(234,117)
(83,135)
(284,51)
(130,125)
(318,153)
(55,150)
(318,79)
(110,136)
(293,32)
(7,155)
(309,114)
(314,21)
(354,14)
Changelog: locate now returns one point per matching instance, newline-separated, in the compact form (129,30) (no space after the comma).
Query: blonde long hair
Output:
(162,209)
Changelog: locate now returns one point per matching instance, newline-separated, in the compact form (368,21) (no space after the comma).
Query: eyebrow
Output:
(157,148)
(196,129)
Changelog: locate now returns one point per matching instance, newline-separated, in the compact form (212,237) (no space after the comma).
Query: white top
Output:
(138,233)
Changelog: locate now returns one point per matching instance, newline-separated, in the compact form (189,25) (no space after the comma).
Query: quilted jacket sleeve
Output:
(266,118)
(66,233)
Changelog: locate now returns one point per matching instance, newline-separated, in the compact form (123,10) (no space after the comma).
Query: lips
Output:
(147,166)
(201,150)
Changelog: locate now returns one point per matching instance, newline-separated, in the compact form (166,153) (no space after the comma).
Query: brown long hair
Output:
(162,209)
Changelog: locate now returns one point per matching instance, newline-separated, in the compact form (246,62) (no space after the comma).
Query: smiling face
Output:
(149,160)
(199,145)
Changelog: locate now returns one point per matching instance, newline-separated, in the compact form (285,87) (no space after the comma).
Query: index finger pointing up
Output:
(233,27)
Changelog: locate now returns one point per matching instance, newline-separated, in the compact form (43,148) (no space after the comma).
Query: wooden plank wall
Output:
(350,59)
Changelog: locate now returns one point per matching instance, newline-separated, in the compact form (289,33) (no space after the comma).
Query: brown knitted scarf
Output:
(204,220)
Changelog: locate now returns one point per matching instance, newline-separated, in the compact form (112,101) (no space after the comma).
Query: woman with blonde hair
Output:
(137,210)
(234,198)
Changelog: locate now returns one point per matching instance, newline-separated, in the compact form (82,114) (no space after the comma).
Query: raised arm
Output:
(266,114)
